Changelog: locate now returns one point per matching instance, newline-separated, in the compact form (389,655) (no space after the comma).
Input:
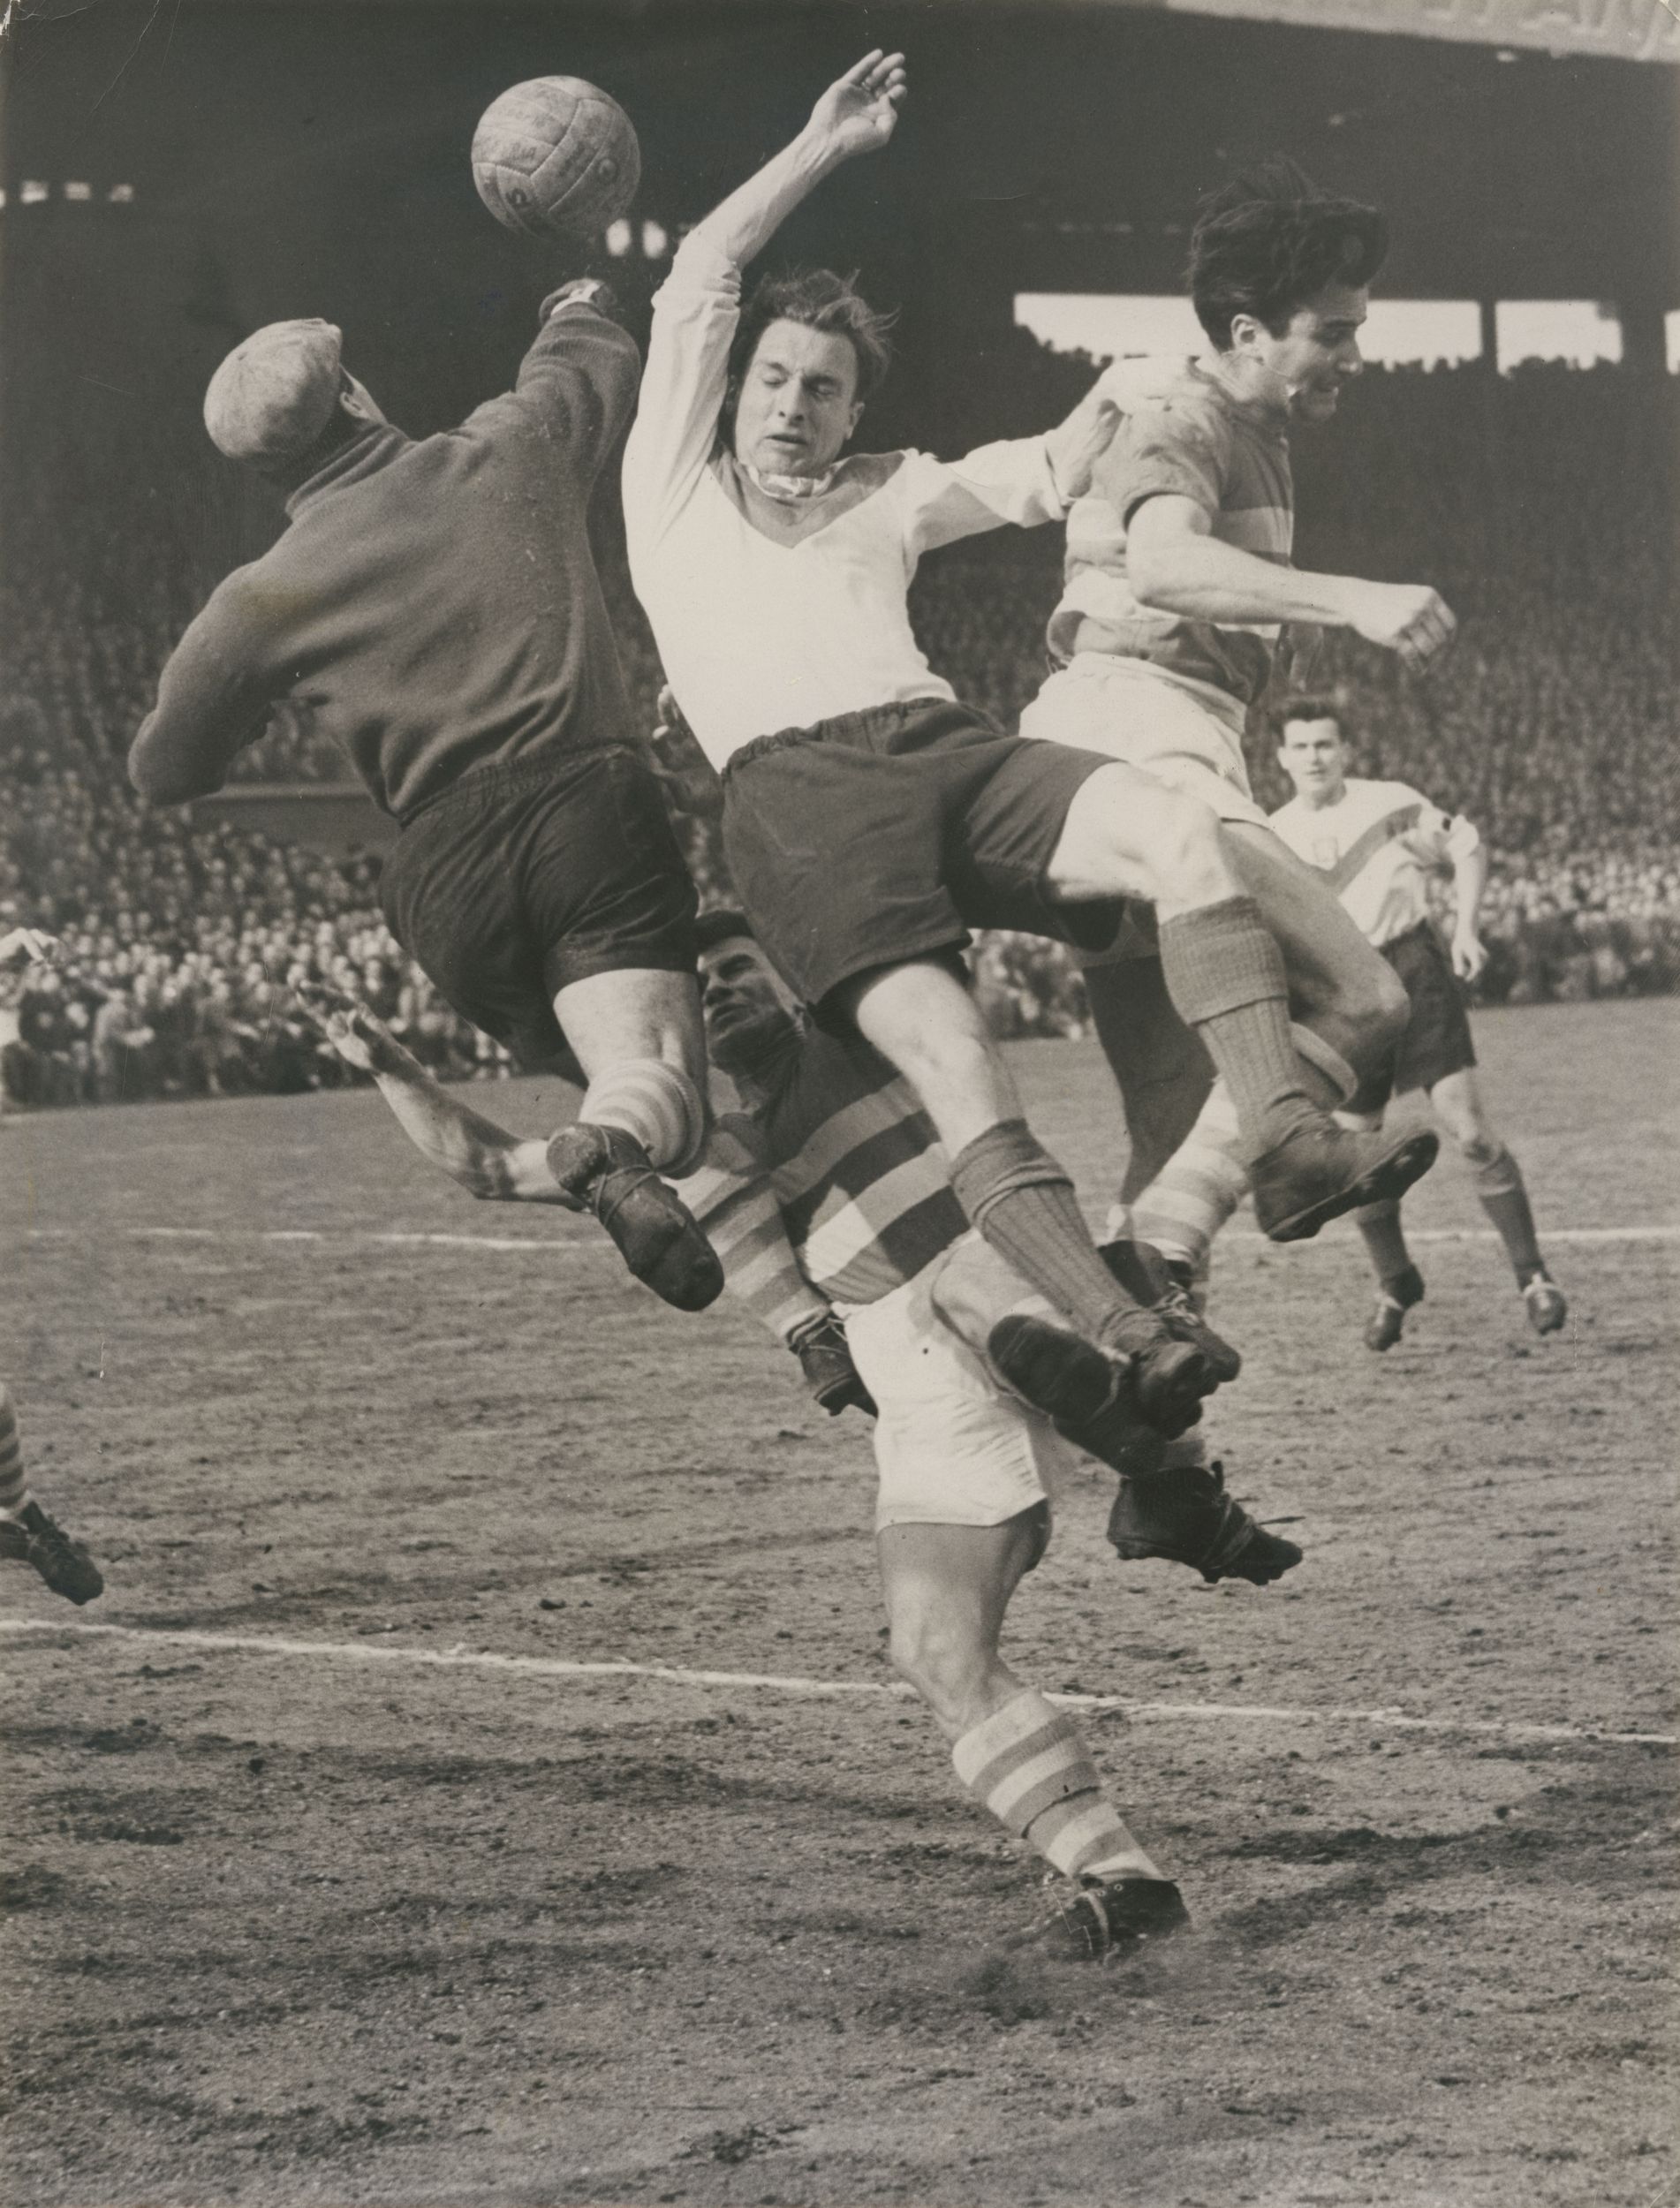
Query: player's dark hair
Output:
(820,299)
(1316,706)
(1270,240)
(720,926)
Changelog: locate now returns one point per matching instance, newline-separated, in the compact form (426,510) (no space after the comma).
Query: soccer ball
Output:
(555,157)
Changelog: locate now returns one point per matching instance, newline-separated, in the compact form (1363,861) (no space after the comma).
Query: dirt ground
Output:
(310,1899)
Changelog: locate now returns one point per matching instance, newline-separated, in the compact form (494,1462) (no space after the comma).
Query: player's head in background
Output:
(284,403)
(1279,273)
(809,353)
(1311,749)
(750,1014)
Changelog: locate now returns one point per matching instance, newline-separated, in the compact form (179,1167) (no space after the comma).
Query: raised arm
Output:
(856,115)
(698,308)
(1030,480)
(1176,563)
(577,384)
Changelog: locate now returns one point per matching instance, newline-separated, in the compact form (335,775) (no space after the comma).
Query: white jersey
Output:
(771,615)
(1379,843)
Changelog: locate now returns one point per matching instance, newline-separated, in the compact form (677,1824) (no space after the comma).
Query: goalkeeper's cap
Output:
(274,395)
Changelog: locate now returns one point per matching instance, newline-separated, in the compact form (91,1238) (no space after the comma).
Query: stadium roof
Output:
(1607,30)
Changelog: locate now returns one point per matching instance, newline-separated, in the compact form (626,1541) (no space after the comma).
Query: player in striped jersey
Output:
(1376,843)
(966,1468)
(27,1535)
(966,1465)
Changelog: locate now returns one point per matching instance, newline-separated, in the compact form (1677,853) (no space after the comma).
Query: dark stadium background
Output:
(276,161)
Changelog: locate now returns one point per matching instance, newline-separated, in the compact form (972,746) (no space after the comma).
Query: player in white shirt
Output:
(870,818)
(1377,844)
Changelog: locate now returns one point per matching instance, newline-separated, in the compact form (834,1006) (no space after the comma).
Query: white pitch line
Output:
(591,1245)
(460,1659)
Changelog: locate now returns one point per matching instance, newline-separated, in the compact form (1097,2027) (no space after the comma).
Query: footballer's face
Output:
(748,1009)
(1316,760)
(1301,372)
(799,401)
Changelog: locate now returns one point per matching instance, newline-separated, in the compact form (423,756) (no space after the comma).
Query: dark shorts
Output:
(882,837)
(1437,1038)
(523,880)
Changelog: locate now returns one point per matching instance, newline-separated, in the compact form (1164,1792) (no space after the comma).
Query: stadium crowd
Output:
(1537,502)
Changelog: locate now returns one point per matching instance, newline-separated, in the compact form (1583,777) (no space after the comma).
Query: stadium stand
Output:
(1539,502)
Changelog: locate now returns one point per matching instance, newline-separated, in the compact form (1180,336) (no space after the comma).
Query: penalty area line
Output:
(462,1659)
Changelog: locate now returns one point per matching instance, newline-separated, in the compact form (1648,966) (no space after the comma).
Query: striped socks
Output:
(1198,1188)
(14,1488)
(736,1209)
(657,1103)
(1027,1765)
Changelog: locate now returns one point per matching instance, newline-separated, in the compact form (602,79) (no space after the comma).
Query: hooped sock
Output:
(1026,1764)
(14,1487)
(1199,1188)
(657,1103)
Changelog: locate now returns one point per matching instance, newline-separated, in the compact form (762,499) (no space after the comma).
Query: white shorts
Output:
(953,1448)
(1191,739)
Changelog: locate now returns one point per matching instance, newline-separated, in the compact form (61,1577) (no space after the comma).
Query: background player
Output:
(1377,844)
(437,602)
(869,817)
(27,1535)
(1178,587)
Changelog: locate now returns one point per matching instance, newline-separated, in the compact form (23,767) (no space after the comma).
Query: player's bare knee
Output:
(1376,1009)
(1477,1144)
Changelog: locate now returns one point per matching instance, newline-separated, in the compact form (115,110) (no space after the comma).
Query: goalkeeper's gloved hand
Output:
(829,1374)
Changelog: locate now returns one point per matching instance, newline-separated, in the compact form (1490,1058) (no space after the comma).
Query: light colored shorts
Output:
(1188,738)
(953,1448)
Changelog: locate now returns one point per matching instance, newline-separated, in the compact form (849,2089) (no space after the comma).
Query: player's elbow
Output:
(1156,576)
(164,777)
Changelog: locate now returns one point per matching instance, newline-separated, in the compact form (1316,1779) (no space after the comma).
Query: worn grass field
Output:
(481,1780)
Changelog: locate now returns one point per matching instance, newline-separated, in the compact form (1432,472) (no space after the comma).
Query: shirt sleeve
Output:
(1158,451)
(575,387)
(1439,838)
(697,311)
(946,500)
(214,697)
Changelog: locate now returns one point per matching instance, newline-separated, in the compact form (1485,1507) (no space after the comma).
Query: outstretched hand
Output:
(360,1037)
(858,113)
